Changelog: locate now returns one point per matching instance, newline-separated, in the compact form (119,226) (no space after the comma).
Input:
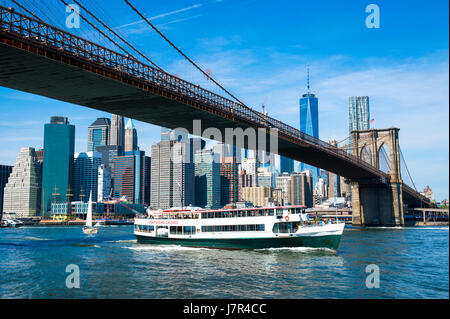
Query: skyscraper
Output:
(85,175)
(309,123)
(229,180)
(98,133)
(286,165)
(131,140)
(59,142)
(22,192)
(117,133)
(5,171)
(358,113)
(104,183)
(172,174)
(207,179)
(131,177)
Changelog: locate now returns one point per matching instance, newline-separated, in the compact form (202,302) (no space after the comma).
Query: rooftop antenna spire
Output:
(307,77)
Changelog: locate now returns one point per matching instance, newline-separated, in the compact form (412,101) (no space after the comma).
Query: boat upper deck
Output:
(196,213)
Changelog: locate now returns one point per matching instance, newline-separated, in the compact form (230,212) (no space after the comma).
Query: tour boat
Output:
(244,228)
(88,229)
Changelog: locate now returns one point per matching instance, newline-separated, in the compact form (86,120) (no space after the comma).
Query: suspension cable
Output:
(407,169)
(121,38)
(184,55)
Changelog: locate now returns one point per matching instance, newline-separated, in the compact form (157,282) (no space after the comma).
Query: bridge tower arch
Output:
(378,202)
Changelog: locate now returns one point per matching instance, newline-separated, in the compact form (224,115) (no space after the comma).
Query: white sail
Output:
(89,212)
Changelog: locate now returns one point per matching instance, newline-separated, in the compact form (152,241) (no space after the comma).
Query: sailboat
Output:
(88,229)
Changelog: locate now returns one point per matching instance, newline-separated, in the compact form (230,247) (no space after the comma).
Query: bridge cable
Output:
(121,38)
(28,11)
(101,32)
(401,156)
(184,55)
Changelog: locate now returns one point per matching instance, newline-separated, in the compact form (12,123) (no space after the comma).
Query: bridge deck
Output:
(40,59)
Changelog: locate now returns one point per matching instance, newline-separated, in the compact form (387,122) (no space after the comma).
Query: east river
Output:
(412,263)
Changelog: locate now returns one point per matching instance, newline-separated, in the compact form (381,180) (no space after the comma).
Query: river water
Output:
(412,263)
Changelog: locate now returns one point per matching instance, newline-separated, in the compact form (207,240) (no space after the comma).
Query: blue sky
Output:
(260,49)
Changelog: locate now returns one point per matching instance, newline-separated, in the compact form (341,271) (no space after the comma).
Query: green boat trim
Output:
(326,241)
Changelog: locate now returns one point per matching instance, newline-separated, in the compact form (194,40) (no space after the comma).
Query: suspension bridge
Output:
(104,70)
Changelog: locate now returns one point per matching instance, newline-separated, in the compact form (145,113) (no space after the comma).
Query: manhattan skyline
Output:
(404,71)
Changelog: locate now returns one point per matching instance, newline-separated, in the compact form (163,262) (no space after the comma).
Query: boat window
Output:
(232,228)
(279,212)
(189,230)
(285,227)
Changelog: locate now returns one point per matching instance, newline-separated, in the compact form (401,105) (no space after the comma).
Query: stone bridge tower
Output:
(378,202)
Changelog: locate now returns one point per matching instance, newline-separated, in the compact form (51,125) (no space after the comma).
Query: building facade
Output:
(98,133)
(85,175)
(309,124)
(207,179)
(131,139)
(229,180)
(104,183)
(22,192)
(59,144)
(286,165)
(358,113)
(260,196)
(5,171)
(117,133)
(172,175)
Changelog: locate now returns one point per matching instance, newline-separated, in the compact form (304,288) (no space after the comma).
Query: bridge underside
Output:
(66,79)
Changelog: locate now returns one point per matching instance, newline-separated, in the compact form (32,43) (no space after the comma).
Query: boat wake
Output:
(304,250)
(164,248)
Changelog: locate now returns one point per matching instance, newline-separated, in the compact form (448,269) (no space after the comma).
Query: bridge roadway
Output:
(41,59)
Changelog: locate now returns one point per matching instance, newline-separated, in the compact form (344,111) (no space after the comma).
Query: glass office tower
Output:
(309,124)
(98,133)
(286,165)
(59,144)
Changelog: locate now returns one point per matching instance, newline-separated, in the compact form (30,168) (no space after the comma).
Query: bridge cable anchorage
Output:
(121,38)
(184,55)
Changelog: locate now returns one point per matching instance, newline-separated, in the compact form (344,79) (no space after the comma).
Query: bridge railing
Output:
(39,33)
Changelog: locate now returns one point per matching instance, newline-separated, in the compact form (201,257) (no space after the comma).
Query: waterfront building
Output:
(5,171)
(98,133)
(358,113)
(59,143)
(104,183)
(286,165)
(117,132)
(309,124)
(172,174)
(109,210)
(22,192)
(207,179)
(260,196)
(85,175)
(131,140)
(229,180)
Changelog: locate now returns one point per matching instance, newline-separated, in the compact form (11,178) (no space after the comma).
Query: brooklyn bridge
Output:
(42,59)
